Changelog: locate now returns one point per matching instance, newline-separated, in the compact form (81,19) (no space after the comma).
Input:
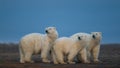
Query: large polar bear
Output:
(36,43)
(68,47)
(93,45)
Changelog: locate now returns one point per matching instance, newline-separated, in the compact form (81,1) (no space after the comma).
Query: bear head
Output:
(96,35)
(51,32)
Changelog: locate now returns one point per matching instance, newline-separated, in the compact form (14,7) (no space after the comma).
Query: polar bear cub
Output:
(36,43)
(93,45)
(69,47)
(82,55)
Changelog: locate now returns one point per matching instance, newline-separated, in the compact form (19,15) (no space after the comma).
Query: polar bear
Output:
(37,43)
(68,47)
(82,55)
(92,45)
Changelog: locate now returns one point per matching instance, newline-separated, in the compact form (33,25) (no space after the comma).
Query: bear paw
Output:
(21,61)
(71,62)
(46,61)
(97,61)
(86,62)
(63,63)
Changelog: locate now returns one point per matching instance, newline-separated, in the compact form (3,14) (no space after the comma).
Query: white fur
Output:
(68,47)
(36,43)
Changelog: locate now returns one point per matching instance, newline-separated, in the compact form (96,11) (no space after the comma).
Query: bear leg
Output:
(71,56)
(83,53)
(28,57)
(21,56)
(60,58)
(95,53)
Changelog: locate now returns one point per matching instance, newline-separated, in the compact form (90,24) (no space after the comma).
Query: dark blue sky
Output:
(20,17)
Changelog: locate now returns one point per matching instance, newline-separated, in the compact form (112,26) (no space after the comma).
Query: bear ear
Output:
(79,38)
(93,36)
(100,33)
(46,28)
(92,32)
(54,28)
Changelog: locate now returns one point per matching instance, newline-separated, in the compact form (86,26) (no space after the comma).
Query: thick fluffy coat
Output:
(67,47)
(36,43)
(92,45)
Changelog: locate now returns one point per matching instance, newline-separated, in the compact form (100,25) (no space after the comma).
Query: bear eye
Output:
(50,29)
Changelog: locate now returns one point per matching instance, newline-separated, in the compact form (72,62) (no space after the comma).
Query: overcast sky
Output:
(20,17)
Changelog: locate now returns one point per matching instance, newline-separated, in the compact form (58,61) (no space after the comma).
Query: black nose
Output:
(46,31)
(94,36)
(79,38)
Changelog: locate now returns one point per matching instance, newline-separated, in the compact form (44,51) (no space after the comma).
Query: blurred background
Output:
(20,17)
